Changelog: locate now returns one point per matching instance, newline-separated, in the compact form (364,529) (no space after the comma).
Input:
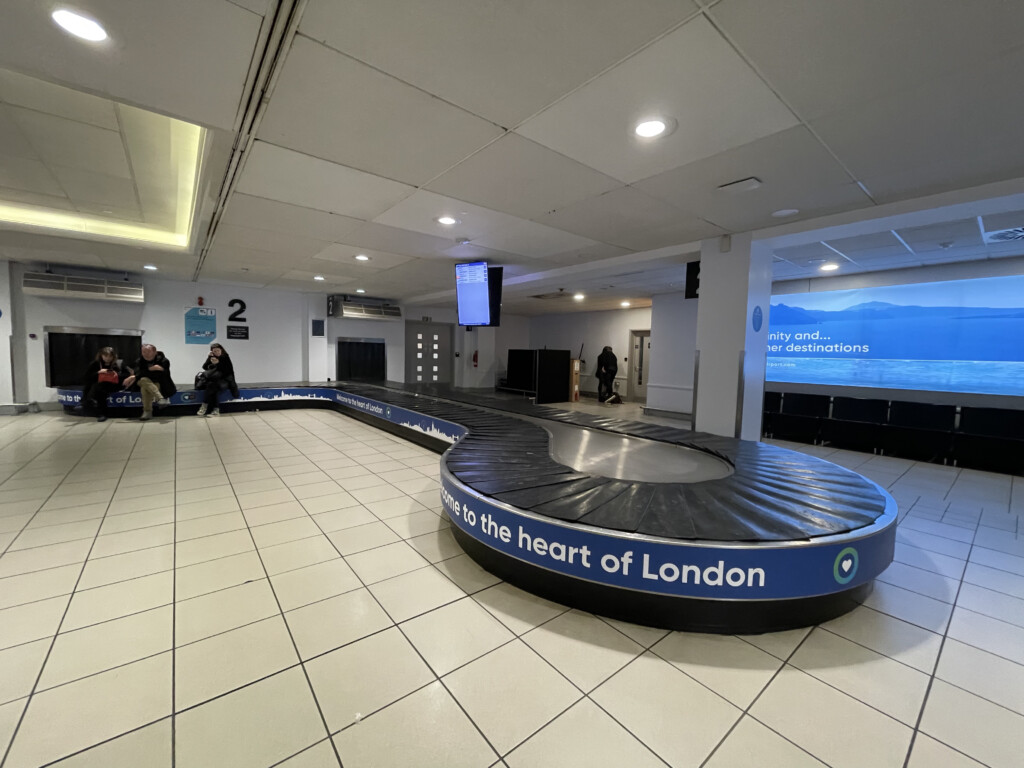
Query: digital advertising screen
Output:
(472,294)
(955,336)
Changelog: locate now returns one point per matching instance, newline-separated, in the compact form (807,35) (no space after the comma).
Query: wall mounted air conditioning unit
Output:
(72,287)
(362,308)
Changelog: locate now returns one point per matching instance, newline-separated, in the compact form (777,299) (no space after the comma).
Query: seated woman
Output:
(102,378)
(219,375)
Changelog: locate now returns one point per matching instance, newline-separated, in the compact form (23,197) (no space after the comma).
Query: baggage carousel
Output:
(645,523)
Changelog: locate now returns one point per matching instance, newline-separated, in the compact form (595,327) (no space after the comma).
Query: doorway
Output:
(639,366)
(428,353)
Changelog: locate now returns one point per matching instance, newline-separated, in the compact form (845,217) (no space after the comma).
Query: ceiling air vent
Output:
(362,308)
(72,287)
(1005,235)
(553,295)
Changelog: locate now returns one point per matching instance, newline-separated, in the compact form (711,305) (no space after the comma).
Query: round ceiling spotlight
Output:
(361,257)
(784,212)
(318,277)
(830,267)
(624,304)
(447,220)
(649,129)
(578,296)
(360,290)
(150,267)
(79,26)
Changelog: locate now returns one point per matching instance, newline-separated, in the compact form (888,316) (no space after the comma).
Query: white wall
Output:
(391,331)
(673,343)
(276,321)
(6,372)
(594,330)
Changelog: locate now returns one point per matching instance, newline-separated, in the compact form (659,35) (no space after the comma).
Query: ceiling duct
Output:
(362,308)
(1005,235)
(74,287)
(559,294)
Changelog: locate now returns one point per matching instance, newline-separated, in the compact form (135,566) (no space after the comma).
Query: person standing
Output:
(607,367)
(102,378)
(153,378)
(219,375)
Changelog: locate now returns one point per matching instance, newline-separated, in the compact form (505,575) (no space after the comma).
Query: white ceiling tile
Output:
(48,201)
(256,6)
(826,57)
(291,177)
(631,219)
(12,141)
(503,61)
(330,106)
(344,255)
(40,96)
(518,176)
(533,240)
(950,133)
(379,237)
(419,213)
(110,211)
(260,213)
(59,141)
(188,58)
(295,246)
(796,171)
(947,234)
(692,76)
(88,187)
(28,175)
(999,221)
(801,254)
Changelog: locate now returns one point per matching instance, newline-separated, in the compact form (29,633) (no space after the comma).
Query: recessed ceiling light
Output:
(648,129)
(624,304)
(579,296)
(447,220)
(784,212)
(150,267)
(79,26)
(318,277)
(362,257)
(830,267)
(360,290)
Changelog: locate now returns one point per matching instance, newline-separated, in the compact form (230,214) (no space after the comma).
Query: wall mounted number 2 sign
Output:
(238,316)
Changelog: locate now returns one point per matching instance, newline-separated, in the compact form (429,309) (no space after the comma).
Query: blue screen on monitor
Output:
(472,294)
(954,336)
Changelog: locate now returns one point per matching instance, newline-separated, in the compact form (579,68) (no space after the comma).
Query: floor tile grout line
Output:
(284,620)
(85,452)
(746,712)
(105,741)
(934,671)
(56,634)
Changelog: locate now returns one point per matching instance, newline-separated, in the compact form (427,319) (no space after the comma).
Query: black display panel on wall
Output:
(69,351)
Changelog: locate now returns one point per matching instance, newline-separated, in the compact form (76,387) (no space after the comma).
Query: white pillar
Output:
(732,331)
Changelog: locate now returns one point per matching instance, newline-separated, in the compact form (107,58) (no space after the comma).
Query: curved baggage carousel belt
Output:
(773,494)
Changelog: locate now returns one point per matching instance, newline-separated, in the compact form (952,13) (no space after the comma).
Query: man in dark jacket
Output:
(607,367)
(152,377)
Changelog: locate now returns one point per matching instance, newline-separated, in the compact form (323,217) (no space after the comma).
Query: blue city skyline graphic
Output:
(957,336)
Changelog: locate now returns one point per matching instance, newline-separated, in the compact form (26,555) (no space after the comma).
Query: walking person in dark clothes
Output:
(607,367)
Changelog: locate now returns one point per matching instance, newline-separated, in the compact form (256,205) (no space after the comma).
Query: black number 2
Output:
(238,316)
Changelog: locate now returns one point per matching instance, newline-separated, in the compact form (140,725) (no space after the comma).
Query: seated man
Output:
(152,377)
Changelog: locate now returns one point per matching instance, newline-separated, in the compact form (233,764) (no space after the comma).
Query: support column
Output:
(732,331)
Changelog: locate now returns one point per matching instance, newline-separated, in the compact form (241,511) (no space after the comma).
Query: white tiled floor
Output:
(282,588)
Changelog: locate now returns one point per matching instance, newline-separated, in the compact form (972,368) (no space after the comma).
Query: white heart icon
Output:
(847,564)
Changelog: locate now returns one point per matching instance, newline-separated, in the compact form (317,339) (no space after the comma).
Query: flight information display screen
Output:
(472,294)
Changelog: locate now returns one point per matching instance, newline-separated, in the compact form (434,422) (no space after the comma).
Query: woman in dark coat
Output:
(102,378)
(219,375)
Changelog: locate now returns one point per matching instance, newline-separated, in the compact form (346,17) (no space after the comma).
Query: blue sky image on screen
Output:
(955,336)
(471,293)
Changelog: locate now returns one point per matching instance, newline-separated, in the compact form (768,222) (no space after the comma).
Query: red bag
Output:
(107,377)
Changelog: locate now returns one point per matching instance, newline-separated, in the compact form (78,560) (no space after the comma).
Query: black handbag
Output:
(201,380)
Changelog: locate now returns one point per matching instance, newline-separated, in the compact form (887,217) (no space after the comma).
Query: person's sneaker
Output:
(202,410)
(215,412)
(163,402)
(146,416)
(101,418)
